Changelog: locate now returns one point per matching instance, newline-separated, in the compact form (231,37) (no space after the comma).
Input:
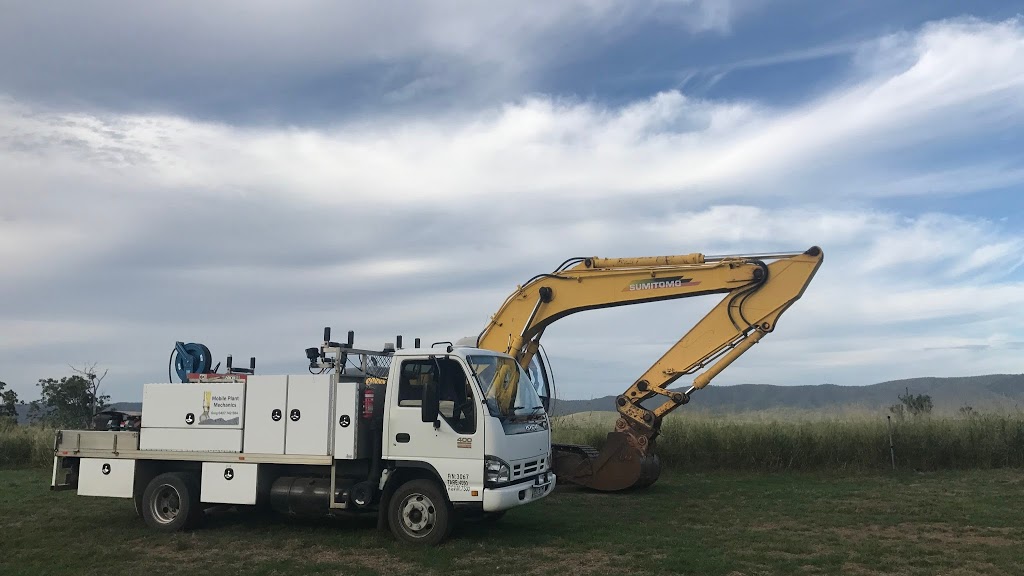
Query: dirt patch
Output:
(562,561)
(377,559)
(787,526)
(188,548)
(945,534)
(783,555)
(968,569)
(854,569)
(192,548)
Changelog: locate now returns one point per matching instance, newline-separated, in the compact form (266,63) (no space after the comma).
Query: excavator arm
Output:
(758,288)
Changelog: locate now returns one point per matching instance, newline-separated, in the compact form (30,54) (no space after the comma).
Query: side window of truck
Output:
(456,397)
(410,383)
(457,405)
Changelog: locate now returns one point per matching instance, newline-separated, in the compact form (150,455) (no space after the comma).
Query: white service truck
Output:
(418,436)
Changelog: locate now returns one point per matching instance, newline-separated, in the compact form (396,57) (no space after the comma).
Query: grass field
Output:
(966,522)
(25,445)
(774,441)
(755,441)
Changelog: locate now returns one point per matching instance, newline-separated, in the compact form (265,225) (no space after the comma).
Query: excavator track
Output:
(620,465)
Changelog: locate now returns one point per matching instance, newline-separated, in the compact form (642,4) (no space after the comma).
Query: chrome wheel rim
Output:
(418,515)
(166,504)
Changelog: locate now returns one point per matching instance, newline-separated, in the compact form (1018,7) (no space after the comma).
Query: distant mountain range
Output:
(994,391)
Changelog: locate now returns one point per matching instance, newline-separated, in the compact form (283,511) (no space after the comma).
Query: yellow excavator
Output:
(758,288)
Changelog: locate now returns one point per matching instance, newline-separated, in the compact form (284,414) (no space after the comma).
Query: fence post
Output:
(892,447)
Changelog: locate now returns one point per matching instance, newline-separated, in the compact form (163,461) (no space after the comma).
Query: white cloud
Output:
(896,297)
(114,52)
(964,80)
(141,229)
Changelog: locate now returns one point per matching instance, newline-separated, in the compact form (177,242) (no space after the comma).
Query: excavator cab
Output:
(539,371)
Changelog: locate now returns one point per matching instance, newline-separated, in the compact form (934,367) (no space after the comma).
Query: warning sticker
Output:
(458,482)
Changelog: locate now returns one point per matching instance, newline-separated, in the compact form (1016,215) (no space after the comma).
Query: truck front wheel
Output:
(171,502)
(419,513)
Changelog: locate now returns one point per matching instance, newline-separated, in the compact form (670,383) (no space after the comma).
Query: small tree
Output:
(88,372)
(8,403)
(913,404)
(71,401)
(898,411)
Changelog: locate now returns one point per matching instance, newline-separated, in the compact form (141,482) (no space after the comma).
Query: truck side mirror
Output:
(431,404)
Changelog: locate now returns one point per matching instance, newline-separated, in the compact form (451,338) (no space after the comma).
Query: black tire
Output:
(170,502)
(419,513)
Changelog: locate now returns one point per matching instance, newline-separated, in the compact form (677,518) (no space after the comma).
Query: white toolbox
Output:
(309,415)
(266,405)
(193,405)
(346,420)
(110,477)
(228,483)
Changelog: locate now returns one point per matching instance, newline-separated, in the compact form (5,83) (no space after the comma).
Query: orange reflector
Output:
(241,457)
(65,452)
(474,493)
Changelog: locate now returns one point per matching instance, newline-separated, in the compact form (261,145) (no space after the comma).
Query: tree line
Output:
(68,402)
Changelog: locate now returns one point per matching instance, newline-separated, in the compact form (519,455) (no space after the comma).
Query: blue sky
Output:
(246,172)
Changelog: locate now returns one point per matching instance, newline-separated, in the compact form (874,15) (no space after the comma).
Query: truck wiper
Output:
(527,416)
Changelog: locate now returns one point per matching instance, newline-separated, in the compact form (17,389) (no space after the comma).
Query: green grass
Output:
(25,445)
(694,441)
(950,522)
(753,442)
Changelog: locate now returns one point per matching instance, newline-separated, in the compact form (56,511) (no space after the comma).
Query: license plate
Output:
(538,491)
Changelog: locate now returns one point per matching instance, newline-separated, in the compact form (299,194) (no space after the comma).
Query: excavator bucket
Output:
(620,465)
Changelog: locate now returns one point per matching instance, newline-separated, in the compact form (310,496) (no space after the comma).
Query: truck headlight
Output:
(496,470)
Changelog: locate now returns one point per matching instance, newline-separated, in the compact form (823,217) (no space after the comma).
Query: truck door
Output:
(453,445)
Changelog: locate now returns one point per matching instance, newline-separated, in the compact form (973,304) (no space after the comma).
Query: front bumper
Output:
(497,499)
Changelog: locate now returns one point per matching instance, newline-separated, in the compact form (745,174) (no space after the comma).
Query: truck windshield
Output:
(507,388)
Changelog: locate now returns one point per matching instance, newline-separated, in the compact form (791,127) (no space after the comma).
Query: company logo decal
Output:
(660,283)
(464,442)
(220,410)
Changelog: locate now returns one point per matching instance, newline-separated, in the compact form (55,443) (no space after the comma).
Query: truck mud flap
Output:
(65,474)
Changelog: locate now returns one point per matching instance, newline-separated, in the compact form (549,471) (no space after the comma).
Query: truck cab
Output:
(420,437)
(450,412)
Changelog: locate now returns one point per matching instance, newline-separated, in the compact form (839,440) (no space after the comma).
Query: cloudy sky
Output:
(244,173)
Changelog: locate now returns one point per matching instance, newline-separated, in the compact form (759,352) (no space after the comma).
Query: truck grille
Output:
(529,468)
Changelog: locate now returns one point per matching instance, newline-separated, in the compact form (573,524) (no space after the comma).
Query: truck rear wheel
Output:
(419,513)
(171,502)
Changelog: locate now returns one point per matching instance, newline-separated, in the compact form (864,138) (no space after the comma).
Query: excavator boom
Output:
(758,288)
